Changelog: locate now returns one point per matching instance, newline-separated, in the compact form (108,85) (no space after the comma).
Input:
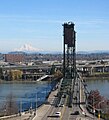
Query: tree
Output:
(16,74)
(58,74)
(10,106)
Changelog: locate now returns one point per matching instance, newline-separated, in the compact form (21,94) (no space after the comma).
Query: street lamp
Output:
(20,109)
(31,108)
(36,104)
(5,112)
(93,107)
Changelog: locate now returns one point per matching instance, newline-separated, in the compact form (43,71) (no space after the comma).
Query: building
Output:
(12,58)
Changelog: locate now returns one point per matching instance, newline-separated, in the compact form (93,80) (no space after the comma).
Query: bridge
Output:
(68,100)
(75,111)
(55,104)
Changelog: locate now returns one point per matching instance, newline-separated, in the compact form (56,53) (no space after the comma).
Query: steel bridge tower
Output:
(69,58)
(69,61)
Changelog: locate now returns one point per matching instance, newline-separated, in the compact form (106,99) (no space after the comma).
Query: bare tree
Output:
(10,106)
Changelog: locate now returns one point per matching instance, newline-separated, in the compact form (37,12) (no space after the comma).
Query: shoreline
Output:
(20,81)
(96,78)
(29,81)
(8,82)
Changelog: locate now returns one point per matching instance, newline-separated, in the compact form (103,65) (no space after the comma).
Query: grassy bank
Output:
(97,75)
(96,78)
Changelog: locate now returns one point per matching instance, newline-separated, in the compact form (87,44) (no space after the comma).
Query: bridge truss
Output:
(69,62)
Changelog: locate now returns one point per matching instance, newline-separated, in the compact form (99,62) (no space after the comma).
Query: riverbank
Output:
(20,81)
(96,74)
(96,78)
(31,81)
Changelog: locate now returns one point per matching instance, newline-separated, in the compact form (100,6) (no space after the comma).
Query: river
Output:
(25,94)
(99,84)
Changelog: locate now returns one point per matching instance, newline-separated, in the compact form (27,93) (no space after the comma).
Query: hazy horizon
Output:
(31,49)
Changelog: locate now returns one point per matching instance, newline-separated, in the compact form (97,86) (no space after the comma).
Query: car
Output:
(63,96)
(75,98)
(76,84)
(58,114)
(77,91)
(75,113)
(61,105)
(83,113)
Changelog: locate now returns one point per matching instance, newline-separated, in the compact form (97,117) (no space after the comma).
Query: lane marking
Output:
(63,110)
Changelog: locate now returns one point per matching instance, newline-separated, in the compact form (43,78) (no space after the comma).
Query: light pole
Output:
(36,103)
(100,108)
(30,109)
(93,108)
(5,112)
(20,109)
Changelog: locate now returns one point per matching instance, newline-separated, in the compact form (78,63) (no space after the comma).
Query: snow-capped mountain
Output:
(27,48)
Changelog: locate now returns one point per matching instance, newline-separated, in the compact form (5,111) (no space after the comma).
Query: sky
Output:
(39,23)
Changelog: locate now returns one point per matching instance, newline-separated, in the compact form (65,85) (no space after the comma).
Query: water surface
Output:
(99,84)
(25,94)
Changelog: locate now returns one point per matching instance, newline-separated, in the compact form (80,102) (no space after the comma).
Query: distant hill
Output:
(93,52)
(16,52)
(58,52)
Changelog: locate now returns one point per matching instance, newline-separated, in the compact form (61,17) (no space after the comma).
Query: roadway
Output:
(67,113)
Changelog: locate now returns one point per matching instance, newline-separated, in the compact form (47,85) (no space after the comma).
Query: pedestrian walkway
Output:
(83,118)
(41,111)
